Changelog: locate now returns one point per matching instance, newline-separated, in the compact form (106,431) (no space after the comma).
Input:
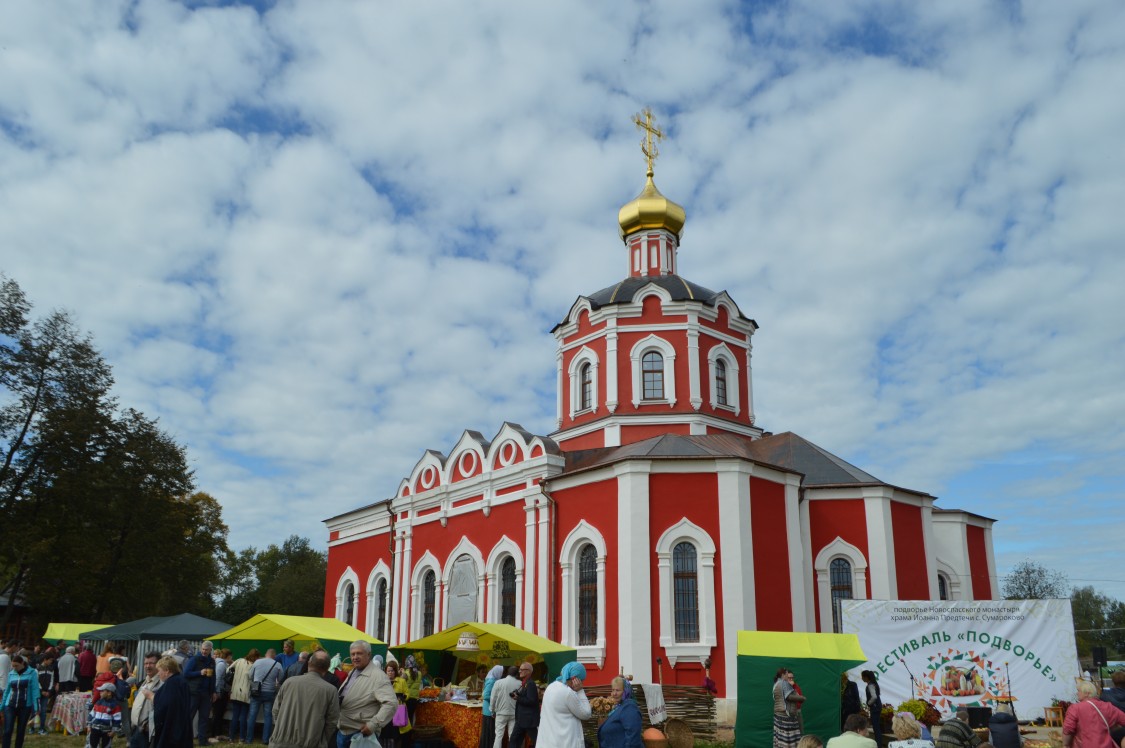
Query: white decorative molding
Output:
(722,353)
(952,578)
(668,353)
(681,532)
(504,549)
(574,373)
(582,533)
(380,572)
(838,548)
(427,562)
(349,577)
(464,547)
(695,393)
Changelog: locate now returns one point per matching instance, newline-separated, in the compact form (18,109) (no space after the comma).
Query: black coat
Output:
(527,705)
(1004,731)
(171,714)
(849,701)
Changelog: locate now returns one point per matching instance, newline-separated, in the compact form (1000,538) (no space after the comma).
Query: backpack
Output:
(228,679)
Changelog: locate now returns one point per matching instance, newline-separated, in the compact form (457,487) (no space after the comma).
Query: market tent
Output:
(159,633)
(500,644)
(267,630)
(817,661)
(70,632)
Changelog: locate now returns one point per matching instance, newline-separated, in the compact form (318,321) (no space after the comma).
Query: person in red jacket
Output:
(87,669)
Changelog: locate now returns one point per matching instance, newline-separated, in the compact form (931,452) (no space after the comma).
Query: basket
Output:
(439,682)
(428,732)
(679,733)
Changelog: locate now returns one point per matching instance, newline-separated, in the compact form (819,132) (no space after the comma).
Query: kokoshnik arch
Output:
(658,519)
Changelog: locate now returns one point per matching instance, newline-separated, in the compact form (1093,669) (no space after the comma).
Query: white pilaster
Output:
(880,548)
(797,570)
(559,386)
(543,562)
(736,554)
(749,382)
(407,569)
(993,580)
(929,548)
(398,594)
(529,554)
(695,392)
(635,613)
(806,554)
(611,365)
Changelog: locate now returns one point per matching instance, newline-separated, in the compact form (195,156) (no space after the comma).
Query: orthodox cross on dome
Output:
(648,145)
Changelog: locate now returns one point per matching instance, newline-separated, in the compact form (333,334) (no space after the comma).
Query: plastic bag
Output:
(402,717)
(359,740)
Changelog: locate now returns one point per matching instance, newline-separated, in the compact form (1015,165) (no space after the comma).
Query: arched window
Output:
(685,582)
(349,604)
(721,382)
(508,591)
(652,373)
(586,385)
(429,593)
(840,581)
(381,606)
(942,587)
(587,595)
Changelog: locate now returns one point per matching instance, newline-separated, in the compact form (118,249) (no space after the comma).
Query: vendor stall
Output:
(69,632)
(267,630)
(155,633)
(817,661)
(486,644)
(460,720)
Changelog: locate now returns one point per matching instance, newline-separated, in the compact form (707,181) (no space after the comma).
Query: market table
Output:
(461,720)
(71,711)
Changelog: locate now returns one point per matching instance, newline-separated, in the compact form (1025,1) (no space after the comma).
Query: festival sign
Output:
(958,654)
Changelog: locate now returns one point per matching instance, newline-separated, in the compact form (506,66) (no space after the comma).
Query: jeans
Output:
(15,719)
(238,713)
(44,710)
(265,701)
(201,711)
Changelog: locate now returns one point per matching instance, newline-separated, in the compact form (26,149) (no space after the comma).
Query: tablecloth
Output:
(71,711)
(461,721)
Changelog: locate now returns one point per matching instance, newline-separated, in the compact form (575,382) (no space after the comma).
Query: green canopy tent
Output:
(267,630)
(817,660)
(499,644)
(70,632)
(155,633)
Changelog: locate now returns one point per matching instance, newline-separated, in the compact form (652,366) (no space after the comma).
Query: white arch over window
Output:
(371,625)
(952,578)
(348,578)
(574,372)
(582,534)
(718,353)
(427,562)
(463,548)
(506,548)
(838,548)
(668,353)
(686,531)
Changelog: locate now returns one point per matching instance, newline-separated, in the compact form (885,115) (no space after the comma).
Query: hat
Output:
(107,687)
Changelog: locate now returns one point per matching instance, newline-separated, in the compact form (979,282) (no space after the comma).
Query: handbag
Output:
(401,718)
(256,685)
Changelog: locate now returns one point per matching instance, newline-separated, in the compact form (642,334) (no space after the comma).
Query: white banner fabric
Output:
(962,653)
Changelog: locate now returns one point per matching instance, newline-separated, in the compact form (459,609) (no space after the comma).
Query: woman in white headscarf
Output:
(488,719)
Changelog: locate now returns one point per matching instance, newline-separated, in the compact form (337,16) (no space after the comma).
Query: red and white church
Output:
(658,519)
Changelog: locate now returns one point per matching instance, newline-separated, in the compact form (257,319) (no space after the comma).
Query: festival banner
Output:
(958,654)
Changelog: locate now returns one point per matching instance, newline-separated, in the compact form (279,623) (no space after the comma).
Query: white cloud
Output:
(317,240)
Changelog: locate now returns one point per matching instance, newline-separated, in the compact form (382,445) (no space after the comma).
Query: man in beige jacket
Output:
(306,709)
(367,698)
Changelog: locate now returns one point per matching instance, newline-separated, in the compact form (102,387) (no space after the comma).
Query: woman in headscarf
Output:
(786,726)
(622,728)
(488,719)
(565,706)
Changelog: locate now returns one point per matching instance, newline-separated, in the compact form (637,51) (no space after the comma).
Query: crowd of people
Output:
(1092,722)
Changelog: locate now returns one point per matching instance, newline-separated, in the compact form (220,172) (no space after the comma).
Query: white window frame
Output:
(952,577)
(504,549)
(464,548)
(582,534)
(687,531)
(380,572)
(574,372)
(348,577)
(665,349)
(426,563)
(722,352)
(838,548)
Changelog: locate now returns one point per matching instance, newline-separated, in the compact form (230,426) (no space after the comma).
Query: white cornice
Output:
(658,420)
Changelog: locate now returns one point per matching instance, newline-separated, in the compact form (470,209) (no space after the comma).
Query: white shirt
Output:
(5,667)
(560,721)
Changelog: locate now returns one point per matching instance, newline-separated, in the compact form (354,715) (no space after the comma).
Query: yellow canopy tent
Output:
(498,644)
(817,660)
(69,632)
(267,630)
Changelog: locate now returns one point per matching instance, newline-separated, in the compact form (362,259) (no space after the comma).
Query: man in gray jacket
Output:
(367,698)
(306,708)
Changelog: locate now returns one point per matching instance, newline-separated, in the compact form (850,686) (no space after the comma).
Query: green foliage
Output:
(922,711)
(1099,621)
(1029,580)
(286,579)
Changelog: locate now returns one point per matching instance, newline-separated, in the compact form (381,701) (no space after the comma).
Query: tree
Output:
(1029,580)
(287,579)
(1098,621)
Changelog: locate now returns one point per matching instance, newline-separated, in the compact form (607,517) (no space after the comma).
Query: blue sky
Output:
(317,238)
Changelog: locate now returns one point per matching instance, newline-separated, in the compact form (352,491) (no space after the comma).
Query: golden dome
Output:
(651,210)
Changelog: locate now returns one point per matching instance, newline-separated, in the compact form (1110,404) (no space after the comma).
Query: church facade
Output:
(658,519)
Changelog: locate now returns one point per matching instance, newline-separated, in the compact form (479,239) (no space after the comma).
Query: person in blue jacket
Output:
(622,728)
(20,701)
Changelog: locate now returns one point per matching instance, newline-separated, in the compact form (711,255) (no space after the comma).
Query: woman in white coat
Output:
(564,707)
